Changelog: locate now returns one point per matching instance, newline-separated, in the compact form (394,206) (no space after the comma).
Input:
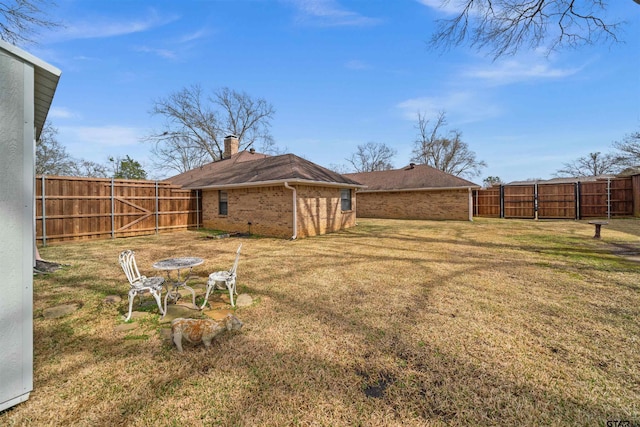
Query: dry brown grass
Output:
(495,322)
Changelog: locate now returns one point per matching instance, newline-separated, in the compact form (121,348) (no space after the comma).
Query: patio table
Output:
(180,281)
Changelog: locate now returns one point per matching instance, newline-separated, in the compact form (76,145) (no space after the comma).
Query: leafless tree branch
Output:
(505,26)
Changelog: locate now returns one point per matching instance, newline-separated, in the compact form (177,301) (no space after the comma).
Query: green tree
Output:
(127,168)
(491,181)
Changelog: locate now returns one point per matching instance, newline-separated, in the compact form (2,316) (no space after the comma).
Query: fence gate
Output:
(519,201)
(557,201)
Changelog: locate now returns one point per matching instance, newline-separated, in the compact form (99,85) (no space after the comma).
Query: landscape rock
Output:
(112,299)
(126,327)
(175,310)
(60,310)
(244,300)
(217,314)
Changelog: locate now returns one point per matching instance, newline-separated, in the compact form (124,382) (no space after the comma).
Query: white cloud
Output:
(357,65)
(103,28)
(450,7)
(464,107)
(328,13)
(513,71)
(61,113)
(104,136)
(163,53)
(194,36)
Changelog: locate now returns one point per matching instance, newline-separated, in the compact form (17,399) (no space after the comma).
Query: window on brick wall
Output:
(222,202)
(345,199)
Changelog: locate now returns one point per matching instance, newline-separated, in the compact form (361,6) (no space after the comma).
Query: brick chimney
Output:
(231,146)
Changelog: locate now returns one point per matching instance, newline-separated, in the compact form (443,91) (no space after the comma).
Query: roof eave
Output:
(273,182)
(396,190)
(46,78)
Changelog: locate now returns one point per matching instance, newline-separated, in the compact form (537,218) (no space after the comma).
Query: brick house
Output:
(414,192)
(281,196)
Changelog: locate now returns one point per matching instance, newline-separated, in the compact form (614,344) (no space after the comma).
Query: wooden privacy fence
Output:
(575,200)
(70,208)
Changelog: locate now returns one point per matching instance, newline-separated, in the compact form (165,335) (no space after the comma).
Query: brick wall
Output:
(319,211)
(269,209)
(436,204)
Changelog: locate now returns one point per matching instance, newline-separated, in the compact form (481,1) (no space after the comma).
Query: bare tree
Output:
(52,157)
(195,125)
(594,164)
(449,154)
(20,19)
(629,149)
(88,168)
(372,156)
(505,26)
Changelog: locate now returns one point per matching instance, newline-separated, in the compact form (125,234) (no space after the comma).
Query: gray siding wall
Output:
(16,229)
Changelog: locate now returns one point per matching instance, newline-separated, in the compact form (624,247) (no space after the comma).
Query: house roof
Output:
(46,79)
(247,169)
(410,178)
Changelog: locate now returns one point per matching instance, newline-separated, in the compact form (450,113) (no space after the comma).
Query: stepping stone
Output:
(165,334)
(60,311)
(188,305)
(174,311)
(218,305)
(112,299)
(244,300)
(126,327)
(217,314)
(136,315)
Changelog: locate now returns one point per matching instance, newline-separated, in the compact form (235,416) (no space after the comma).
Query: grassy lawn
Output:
(495,322)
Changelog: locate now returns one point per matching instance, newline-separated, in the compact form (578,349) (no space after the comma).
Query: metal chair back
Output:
(128,264)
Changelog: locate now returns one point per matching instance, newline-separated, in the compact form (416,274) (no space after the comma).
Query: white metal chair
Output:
(226,277)
(140,284)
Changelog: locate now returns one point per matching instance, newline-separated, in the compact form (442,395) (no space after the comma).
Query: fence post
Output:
(608,198)
(113,221)
(578,206)
(44,213)
(157,204)
(501,201)
(198,195)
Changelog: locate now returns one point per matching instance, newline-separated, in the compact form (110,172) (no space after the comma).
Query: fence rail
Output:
(591,199)
(69,208)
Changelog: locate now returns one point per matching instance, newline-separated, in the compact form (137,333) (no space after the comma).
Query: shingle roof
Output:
(412,177)
(251,169)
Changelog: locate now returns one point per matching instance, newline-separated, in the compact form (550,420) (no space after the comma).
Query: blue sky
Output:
(339,74)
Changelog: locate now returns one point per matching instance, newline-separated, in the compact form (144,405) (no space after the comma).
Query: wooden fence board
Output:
(589,199)
(96,208)
(557,201)
(518,201)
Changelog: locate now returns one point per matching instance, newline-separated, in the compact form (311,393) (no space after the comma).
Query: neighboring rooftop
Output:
(412,177)
(564,180)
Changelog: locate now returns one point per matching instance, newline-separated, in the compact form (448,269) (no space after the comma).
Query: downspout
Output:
(295,210)
(470,204)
